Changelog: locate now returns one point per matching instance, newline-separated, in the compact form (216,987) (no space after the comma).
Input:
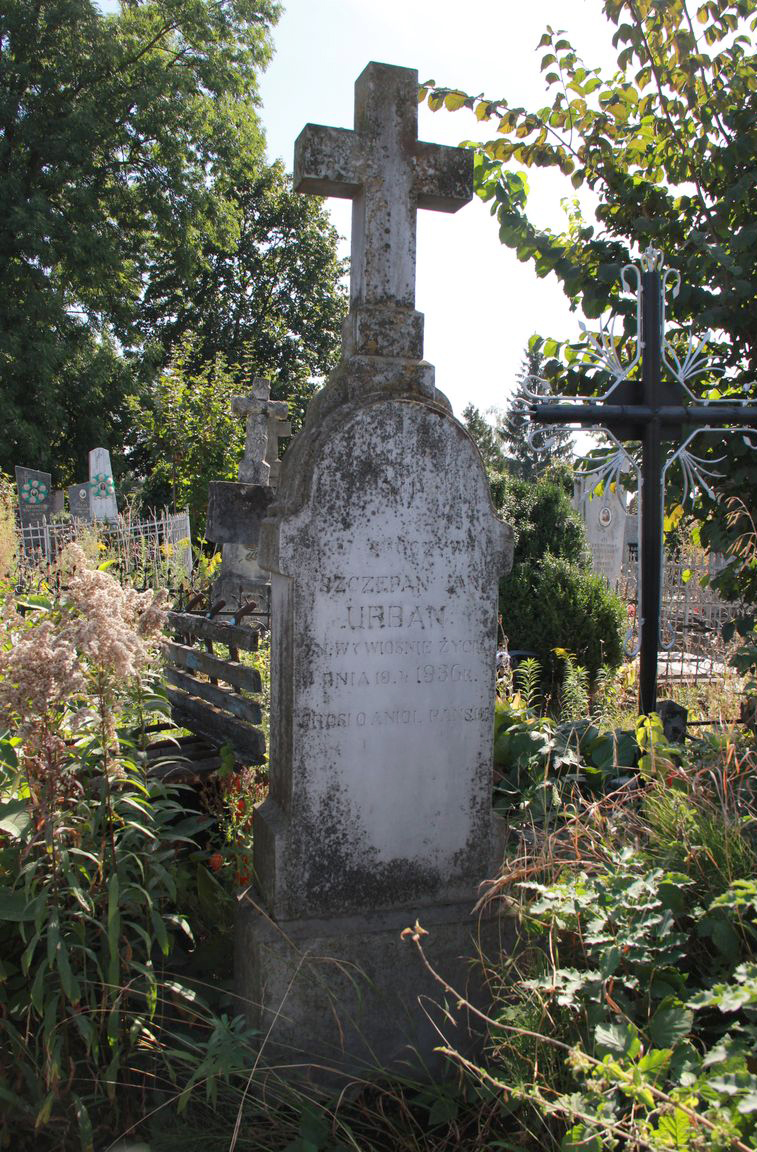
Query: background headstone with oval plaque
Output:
(78,501)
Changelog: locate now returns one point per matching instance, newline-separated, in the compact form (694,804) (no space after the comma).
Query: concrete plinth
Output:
(355,996)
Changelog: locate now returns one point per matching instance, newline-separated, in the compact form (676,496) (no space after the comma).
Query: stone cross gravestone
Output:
(385,554)
(263,416)
(102,491)
(236,510)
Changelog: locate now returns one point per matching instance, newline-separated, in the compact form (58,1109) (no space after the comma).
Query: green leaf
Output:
(580,1139)
(671,1022)
(617,1040)
(674,1129)
(443,1111)
(14,819)
(15,907)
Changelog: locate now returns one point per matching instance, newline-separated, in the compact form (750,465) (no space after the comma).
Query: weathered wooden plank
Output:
(186,624)
(224,698)
(182,773)
(230,671)
(248,743)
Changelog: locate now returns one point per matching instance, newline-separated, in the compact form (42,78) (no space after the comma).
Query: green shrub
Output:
(554,603)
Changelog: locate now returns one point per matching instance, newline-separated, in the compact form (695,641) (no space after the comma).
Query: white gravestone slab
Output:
(102,491)
(388,579)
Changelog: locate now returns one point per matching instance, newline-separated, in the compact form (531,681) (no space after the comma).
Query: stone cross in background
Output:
(261,443)
(236,510)
(384,554)
(102,491)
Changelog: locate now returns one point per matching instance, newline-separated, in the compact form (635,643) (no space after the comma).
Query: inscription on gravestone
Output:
(604,518)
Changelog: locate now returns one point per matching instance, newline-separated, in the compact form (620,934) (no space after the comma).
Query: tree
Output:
(273,300)
(487,440)
(551,598)
(668,143)
(132,190)
(553,443)
(189,436)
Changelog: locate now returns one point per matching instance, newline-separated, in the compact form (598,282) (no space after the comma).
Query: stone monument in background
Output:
(236,510)
(79,501)
(385,554)
(102,490)
(604,518)
(35,499)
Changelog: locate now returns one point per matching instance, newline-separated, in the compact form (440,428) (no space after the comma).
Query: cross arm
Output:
(588,414)
(443,177)
(326,161)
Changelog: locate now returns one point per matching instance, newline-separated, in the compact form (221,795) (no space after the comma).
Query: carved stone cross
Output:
(388,174)
(262,415)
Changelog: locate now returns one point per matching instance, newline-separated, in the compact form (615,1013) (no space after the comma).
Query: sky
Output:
(481,305)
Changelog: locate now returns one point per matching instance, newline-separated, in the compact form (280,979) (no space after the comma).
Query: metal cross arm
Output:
(655,407)
(589,415)
(388,174)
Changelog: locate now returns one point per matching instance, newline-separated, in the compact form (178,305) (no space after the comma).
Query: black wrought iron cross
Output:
(656,408)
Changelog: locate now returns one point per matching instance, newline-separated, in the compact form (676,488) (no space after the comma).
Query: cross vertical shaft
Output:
(388,174)
(652,558)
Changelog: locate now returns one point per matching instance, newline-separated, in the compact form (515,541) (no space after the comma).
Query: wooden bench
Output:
(210,694)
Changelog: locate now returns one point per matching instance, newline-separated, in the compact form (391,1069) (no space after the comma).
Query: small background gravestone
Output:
(385,555)
(34,506)
(102,490)
(236,510)
(604,518)
(79,501)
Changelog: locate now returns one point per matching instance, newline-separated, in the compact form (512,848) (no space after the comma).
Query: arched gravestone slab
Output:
(388,576)
(385,557)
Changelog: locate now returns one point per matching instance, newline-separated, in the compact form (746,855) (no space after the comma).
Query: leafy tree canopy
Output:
(136,206)
(668,142)
(554,443)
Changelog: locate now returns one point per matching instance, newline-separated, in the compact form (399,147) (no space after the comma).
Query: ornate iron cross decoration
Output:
(655,407)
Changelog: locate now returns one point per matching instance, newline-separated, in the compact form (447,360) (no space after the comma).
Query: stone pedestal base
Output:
(346,997)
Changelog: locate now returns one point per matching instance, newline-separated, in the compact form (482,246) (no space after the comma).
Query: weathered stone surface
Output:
(384,554)
(388,174)
(347,989)
(102,491)
(236,511)
(383,710)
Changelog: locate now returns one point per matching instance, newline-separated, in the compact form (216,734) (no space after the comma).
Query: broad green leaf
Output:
(671,1022)
(617,1040)
(14,906)
(674,1129)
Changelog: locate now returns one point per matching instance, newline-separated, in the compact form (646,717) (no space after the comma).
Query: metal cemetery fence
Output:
(692,615)
(155,552)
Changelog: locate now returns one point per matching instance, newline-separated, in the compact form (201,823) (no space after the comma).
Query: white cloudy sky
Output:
(480,304)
